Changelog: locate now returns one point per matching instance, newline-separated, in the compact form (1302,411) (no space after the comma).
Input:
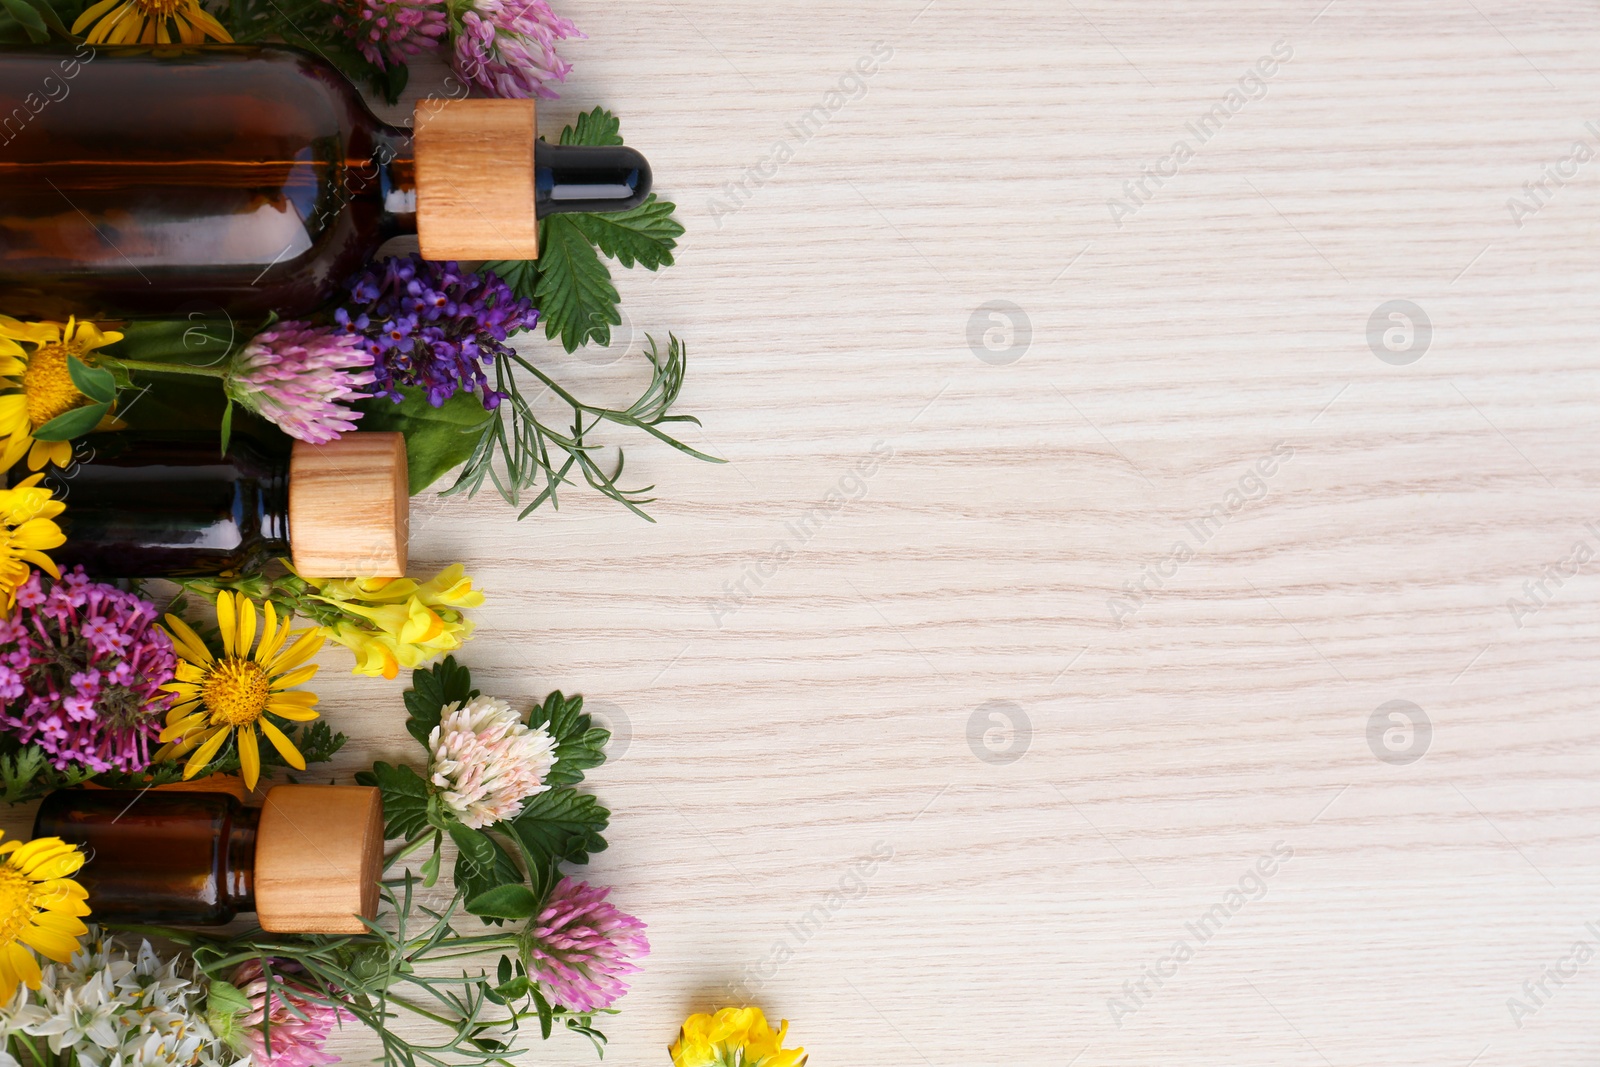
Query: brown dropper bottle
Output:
(250,179)
(306,862)
(167,504)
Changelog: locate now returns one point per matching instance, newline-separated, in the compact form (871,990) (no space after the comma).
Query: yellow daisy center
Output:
(235,692)
(48,384)
(159,8)
(16,903)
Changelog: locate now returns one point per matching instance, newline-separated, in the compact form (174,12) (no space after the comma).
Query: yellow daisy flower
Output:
(40,908)
(146,22)
(27,532)
(734,1037)
(43,384)
(232,694)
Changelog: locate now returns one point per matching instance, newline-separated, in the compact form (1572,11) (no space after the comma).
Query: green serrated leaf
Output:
(437,438)
(506,902)
(28,18)
(559,824)
(432,688)
(646,234)
(70,424)
(405,799)
(96,383)
(574,293)
(579,745)
(597,127)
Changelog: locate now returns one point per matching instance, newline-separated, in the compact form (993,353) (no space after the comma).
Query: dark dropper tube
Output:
(588,178)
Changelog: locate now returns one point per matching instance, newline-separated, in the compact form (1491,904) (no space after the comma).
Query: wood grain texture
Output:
(349,513)
(319,854)
(475,179)
(767,746)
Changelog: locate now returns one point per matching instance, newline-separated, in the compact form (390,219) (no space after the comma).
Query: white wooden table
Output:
(946,666)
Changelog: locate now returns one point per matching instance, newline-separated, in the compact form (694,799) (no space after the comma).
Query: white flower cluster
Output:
(487,761)
(110,1008)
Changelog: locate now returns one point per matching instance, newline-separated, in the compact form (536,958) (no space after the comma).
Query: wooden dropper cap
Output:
(350,507)
(319,855)
(484,179)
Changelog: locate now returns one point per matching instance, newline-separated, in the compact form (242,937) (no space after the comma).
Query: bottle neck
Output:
(238,882)
(387,178)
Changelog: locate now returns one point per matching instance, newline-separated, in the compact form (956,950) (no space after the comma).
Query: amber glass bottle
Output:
(153,181)
(306,861)
(149,504)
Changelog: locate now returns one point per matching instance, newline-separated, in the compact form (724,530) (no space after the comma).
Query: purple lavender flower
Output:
(508,47)
(434,326)
(581,946)
(81,670)
(300,377)
(388,31)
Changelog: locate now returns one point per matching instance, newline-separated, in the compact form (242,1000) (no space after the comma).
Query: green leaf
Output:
(224,997)
(437,438)
(227,426)
(475,847)
(13,29)
(430,866)
(28,18)
(546,1016)
(475,878)
(574,293)
(510,989)
(70,424)
(578,744)
(405,799)
(431,689)
(646,234)
(597,127)
(559,824)
(506,902)
(96,383)
(200,339)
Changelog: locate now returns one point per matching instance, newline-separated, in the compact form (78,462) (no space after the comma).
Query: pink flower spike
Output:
(302,377)
(508,47)
(581,946)
(388,31)
(285,1028)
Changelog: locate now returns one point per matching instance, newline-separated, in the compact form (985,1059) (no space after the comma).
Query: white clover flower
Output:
(487,761)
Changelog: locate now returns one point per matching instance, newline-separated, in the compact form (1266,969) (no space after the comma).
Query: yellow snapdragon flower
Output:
(734,1037)
(390,623)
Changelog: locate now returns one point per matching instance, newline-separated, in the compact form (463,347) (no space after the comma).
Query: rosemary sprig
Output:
(520,453)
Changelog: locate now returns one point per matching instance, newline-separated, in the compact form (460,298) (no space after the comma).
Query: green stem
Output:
(424,1012)
(406,850)
(154,367)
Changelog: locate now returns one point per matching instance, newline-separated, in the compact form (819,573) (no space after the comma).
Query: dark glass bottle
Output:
(154,181)
(147,504)
(170,505)
(183,857)
(306,861)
